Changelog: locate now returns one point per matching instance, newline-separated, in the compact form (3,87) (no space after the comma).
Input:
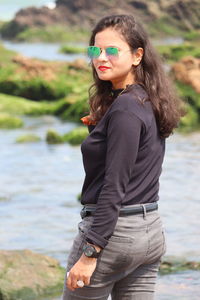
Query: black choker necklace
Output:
(117,92)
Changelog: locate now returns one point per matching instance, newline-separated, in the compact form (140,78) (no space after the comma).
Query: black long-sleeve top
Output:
(122,158)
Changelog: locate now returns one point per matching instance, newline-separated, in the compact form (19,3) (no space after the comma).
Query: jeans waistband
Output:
(89,209)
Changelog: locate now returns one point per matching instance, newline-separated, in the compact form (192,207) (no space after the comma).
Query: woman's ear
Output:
(137,56)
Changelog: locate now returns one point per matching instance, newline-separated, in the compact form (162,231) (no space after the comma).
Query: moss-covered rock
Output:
(26,275)
(76,136)
(69,49)
(53,137)
(191,121)
(28,138)
(40,80)
(35,88)
(187,71)
(166,17)
(18,105)
(192,35)
(47,34)
(10,122)
(79,197)
(162,27)
(67,94)
(174,264)
(175,52)
(76,110)
(68,108)
(6,54)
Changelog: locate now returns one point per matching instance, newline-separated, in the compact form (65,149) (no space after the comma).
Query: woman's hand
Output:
(82,270)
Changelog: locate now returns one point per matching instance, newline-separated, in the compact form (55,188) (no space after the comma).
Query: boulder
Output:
(187,70)
(26,275)
(84,14)
(53,137)
(8,121)
(173,264)
(28,138)
(36,68)
(76,136)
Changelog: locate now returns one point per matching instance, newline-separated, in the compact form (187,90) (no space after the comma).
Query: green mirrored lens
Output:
(112,51)
(93,51)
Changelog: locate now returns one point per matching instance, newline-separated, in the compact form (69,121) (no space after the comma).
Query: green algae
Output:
(173,265)
(28,138)
(69,49)
(8,121)
(74,137)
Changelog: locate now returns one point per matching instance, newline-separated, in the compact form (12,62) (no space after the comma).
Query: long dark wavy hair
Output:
(168,108)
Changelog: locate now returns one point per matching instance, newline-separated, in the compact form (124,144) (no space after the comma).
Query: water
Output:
(45,51)
(39,184)
(8,8)
(50,51)
(38,189)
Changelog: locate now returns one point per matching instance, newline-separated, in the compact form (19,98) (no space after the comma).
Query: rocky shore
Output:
(26,275)
(35,87)
(160,17)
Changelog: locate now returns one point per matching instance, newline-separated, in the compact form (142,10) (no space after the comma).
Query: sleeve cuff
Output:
(96,239)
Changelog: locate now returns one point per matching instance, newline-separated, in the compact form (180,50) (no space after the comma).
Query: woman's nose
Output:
(103,55)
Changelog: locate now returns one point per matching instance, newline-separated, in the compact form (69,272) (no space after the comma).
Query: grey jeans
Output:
(127,267)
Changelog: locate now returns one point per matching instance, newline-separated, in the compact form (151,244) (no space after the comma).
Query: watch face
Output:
(88,250)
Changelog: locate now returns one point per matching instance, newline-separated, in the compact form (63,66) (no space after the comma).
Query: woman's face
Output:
(119,68)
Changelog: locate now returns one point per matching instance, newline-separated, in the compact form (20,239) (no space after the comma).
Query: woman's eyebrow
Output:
(108,46)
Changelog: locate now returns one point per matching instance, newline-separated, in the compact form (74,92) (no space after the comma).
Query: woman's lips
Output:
(102,68)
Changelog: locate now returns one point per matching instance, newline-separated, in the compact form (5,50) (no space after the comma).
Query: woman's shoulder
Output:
(136,102)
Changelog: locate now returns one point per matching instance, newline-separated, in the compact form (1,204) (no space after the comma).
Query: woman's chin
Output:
(104,77)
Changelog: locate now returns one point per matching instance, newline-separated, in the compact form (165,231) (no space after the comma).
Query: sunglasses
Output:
(95,52)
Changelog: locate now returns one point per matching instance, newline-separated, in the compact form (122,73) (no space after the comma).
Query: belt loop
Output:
(144,211)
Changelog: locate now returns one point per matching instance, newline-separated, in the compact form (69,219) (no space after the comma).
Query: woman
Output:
(132,110)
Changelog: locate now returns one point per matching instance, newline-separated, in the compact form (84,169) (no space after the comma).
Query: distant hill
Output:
(182,13)
(157,15)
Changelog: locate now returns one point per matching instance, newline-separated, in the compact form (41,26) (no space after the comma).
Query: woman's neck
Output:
(121,84)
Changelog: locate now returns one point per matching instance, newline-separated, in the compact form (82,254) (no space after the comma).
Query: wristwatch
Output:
(90,251)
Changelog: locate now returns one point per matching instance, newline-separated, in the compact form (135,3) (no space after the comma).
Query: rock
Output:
(175,264)
(12,105)
(30,17)
(68,49)
(8,121)
(76,136)
(187,70)
(78,64)
(53,137)
(28,138)
(27,275)
(37,68)
(184,14)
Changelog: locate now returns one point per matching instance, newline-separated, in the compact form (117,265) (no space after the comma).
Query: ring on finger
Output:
(80,283)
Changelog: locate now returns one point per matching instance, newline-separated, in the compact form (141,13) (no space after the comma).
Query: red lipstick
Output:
(103,68)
